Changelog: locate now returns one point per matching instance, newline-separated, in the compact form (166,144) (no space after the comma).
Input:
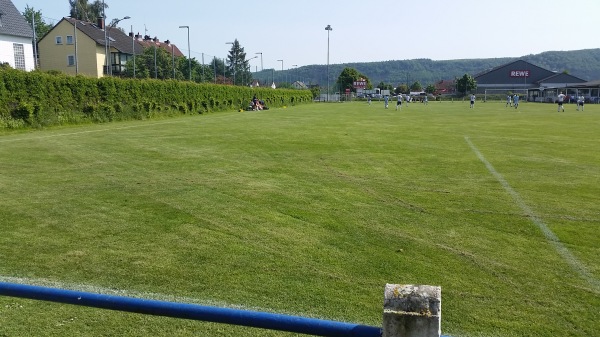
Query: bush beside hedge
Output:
(38,99)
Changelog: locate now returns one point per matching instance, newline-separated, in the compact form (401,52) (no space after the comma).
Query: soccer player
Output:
(580,101)
(472,100)
(385,99)
(561,99)
(425,100)
(516,100)
(399,102)
(508,100)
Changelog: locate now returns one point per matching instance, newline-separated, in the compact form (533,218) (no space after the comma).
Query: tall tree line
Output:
(87,11)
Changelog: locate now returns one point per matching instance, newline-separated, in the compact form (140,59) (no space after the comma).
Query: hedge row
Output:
(37,99)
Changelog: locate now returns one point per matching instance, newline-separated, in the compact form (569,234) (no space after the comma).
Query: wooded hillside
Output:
(581,63)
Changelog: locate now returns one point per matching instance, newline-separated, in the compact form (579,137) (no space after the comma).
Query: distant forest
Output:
(584,64)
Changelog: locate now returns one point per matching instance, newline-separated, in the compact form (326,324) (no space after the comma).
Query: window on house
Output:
(69,39)
(19,56)
(58,40)
(71,60)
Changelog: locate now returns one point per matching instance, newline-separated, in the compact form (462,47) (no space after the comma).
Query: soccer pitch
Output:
(310,211)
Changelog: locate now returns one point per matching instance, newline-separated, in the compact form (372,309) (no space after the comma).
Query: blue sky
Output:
(363,31)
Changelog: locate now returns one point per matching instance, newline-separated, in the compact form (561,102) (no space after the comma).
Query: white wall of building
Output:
(7,50)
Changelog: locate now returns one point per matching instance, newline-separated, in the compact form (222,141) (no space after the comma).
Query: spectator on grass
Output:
(472,100)
(256,103)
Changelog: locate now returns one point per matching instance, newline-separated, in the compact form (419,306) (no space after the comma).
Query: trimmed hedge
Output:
(38,99)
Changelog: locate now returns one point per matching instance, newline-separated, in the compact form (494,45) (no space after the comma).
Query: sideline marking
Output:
(83,132)
(550,236)
(122,292)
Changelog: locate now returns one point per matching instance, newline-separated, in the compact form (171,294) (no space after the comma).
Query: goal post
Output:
(501,93)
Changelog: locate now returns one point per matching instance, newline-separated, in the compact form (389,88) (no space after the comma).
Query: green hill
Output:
(581,63)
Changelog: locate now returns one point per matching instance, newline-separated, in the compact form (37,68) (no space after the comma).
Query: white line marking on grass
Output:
(550,236)
(82,132)
(145,295)
(122,293)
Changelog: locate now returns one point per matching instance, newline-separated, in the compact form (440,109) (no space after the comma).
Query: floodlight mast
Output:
(328,29)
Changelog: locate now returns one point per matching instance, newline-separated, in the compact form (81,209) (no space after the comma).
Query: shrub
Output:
(61,98)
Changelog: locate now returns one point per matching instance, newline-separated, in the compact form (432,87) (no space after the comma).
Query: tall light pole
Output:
(234,60)
(294,72)
(133,48)
(107,34)
(173,58)
(249,67)
(105,37)
(328,29)
(261,61)
(189,51)
(75,42)
(281,68)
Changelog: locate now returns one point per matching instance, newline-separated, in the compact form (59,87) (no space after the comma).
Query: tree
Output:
(237,65)
(384,86)
(401,88)
(430,89)
(145,65)
(83,10)
(416,86)
(41,27)
(218,69)
(347,78)
(316,91)
(466,83)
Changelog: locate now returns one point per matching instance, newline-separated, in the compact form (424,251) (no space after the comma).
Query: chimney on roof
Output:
(155,39)
(101,23)
(130,34)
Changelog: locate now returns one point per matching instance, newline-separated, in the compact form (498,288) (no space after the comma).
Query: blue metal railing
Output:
(248,318)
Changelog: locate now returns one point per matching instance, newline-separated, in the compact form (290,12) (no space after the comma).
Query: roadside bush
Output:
(38,99)
(24,111)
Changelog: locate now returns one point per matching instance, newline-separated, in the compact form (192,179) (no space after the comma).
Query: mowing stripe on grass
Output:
(550,236)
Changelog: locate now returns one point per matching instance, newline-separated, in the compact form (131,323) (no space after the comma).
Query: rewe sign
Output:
(519,73)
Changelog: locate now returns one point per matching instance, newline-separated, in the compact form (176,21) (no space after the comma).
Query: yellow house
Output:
(82,48)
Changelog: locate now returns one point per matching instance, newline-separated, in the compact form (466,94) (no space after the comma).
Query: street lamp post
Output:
(105,37)
(234,60)
(261,61)
(133,49)
(107,34)
(281,68)
(249,68)
(294,72)
(328,29)
(189,51)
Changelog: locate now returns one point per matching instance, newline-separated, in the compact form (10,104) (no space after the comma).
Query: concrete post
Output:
(412,311)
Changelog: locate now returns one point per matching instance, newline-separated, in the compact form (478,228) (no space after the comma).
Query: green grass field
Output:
(310,211)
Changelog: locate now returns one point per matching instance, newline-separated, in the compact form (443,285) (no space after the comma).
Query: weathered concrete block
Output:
(412,311)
